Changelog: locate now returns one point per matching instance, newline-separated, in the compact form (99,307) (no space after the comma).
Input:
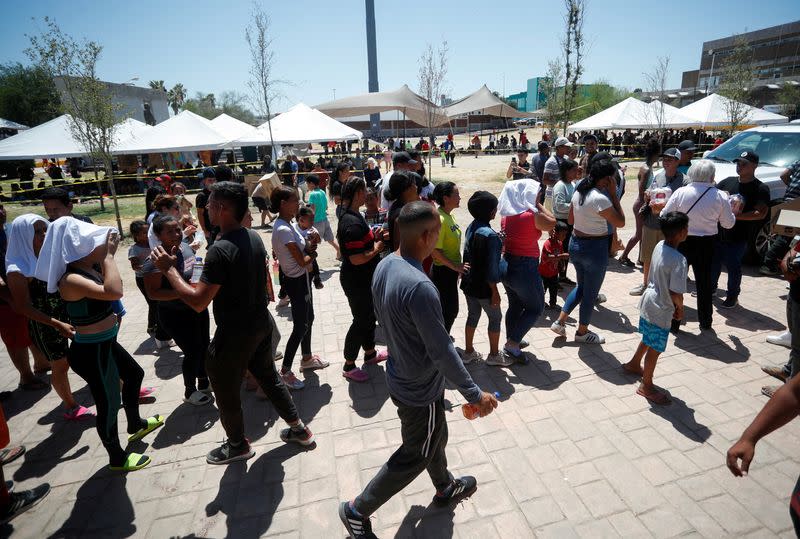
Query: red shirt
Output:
(549,268)
(522,236)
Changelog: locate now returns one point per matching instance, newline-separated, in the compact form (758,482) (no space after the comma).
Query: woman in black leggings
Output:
(360,247)
(71,252)
(188,328)
(447,266)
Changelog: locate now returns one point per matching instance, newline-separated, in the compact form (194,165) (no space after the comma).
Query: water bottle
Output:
(471,410)
(197,270)
(275,271)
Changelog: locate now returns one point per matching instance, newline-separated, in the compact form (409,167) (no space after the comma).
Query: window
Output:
(776,149)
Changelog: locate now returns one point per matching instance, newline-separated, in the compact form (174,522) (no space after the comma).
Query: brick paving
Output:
(570,452)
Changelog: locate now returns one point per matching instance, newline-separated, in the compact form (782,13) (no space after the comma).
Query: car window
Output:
(777,149)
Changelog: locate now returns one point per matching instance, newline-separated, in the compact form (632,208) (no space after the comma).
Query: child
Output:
(662,302)
(305,222)
(374,215)
(319,202)
(137,254)
(553,256)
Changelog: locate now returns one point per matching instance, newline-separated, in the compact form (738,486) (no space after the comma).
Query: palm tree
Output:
(158,85)
(176,97)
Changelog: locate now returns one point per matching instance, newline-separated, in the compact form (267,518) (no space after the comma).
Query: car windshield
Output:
(776,149)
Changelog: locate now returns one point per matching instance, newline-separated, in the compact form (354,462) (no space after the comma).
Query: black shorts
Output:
(261,203)
(53,344)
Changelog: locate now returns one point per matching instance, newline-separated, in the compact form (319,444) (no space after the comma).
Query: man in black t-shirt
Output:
(207,179)
(753,209)
(235,278)
(519,166)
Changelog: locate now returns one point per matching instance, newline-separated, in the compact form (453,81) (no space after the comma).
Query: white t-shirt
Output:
(587,215)
(385,204)
(284,233)
(668,270)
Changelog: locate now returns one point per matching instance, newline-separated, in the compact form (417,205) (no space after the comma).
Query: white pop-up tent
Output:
(712,111)
(184,132)
(8,124)
(413,106)
(232,127)
(55,139)
(485,102)
(630,113)
(300,125)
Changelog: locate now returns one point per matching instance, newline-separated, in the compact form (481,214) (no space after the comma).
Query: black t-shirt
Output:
(201,201)
(518,175)
(355,236)
(371,176)
(237,262)
(754,193)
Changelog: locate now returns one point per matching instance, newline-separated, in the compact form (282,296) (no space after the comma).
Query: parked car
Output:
(777,146)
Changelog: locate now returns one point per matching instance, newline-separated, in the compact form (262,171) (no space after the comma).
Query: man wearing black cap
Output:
(400,161)
(732,243)
(541,158)
(687,149)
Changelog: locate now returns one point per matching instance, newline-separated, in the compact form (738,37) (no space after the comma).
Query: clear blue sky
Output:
(321,45)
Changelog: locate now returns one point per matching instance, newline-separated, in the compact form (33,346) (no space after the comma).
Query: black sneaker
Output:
(358,527)
(227,453)
(458,490)
(627,262)
(19,502)
(730,303)
(304,437)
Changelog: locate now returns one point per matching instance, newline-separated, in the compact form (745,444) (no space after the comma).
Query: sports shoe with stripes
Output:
(357,526)
(458,490)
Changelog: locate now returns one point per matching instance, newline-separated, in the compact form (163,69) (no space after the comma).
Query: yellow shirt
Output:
(449,238)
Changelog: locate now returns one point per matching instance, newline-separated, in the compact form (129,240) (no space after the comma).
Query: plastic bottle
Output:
(275,271)
(197,271)
(471,410)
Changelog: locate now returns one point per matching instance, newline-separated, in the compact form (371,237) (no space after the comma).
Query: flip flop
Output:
(377,356)
(133,462)
(152,424)
(656,397)
(198,398)
(10,454)
(79,412)
(145,391)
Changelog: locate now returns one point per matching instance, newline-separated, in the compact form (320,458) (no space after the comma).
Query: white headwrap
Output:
(518,196)
(19,254)
(67,240)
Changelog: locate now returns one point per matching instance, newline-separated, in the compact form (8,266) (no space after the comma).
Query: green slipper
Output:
(152,424)
(133,462)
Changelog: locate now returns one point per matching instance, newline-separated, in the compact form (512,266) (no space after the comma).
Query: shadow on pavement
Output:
(52,451)
(102,504)
(368,398)
(184,422)
(682,418)
(431,521)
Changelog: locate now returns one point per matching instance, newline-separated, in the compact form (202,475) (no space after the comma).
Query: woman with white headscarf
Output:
(69,259)
(45,311)
(524,220)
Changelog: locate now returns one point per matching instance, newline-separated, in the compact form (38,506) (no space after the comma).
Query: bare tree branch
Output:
(431,78)
(737,77)
(656,81)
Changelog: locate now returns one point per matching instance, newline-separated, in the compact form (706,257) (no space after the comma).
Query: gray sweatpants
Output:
(424,433)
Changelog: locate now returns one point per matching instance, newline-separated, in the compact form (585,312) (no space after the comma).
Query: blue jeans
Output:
(729,254)
(525,295)
(590,258)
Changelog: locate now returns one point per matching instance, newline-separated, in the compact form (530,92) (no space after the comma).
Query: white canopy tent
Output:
(8,124)
(671,117)
(55,139)
(232,127)
(712,111)
(484,101)
(413,106)
(300,125)
(632,113)
(184,132)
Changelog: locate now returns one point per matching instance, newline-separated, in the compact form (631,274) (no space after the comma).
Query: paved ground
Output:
(571,451)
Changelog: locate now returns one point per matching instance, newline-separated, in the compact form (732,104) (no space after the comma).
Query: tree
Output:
(262,57)
(158,85)
(92,111)
(233,104)
(789,96)
(27,95)
(203,105)
(657,86)
(737,76)
(431,78)
(573,45)
(176,97)
(551,84)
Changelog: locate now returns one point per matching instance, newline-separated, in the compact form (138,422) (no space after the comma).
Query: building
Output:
(533,98)
(143,104)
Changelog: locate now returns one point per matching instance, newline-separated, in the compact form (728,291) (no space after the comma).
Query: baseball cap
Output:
(543,145)
(674,153)
(687,145)
(749,156)
(402,157)
(562,141)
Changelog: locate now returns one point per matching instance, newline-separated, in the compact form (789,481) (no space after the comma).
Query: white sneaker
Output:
(590,337)
(636,290)
(470,357)
(782,339)
(283,302)
(558,328)
(500,360)
(601,298)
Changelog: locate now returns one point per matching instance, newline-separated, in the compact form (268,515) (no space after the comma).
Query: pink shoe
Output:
(382,354)
(79,412)
(145,391)
(356,375)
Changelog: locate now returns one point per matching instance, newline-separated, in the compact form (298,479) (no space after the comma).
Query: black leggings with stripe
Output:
(102,365)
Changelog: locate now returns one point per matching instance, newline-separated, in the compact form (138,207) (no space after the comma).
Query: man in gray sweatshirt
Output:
(408,308)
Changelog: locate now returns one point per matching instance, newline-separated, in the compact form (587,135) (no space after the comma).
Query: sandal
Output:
(145,392)
(377,356)
(198,398)
(10,454)
(656,397)
(312,363)
(152,424)
(37,384)
(79,412)
(133,462)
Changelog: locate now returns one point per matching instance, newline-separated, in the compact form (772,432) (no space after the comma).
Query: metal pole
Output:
(711,74)
(372,61)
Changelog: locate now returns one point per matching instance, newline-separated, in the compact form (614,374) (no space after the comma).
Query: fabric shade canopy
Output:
(55,139)
(712,111)
(8,124)
(299,125)
(185,132)
(415,107)
(632,113)
(486,102)
(231,127)
(672,117)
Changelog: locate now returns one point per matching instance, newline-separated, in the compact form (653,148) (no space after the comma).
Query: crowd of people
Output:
(404,264)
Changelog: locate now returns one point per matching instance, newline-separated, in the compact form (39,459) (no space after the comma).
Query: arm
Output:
(362,258)
(198,298)
(757,214)
(438,256)
(677,301)
(543,219)
(136,264)
(301,259)
(779,410)
(201,218)
(74,287)
(571,218)
(726,217)
(21,302)
(510,171)
(614,214)
(152,286)
(786,175)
